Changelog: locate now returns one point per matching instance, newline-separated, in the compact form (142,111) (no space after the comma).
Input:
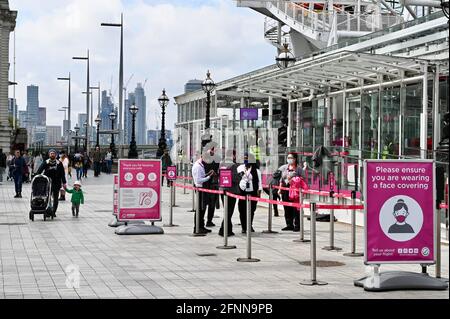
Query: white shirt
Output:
(198,174)
(247,179)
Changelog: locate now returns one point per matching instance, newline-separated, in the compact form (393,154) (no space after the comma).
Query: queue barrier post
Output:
(193,198)
(331,246)
(197,216)
(249,234)
(172,190)
(269,221)
(313,281)
(301,221)
(225,224)
(353,252)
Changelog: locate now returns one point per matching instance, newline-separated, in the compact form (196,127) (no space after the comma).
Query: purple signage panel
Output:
(249,114)
(115,194)
(225,178)
(139,190)
(399,211)
(171,173)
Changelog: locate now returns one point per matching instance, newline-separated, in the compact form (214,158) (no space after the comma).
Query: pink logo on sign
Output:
(171,173)
(399,211)
(225,178)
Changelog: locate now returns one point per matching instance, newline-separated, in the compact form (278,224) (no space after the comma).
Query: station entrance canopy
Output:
(318,77)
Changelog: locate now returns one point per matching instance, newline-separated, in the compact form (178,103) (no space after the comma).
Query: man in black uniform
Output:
(54,169)
(212,162)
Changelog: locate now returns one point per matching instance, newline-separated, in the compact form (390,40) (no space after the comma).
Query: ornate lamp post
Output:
(285,59)
(163,102)
(77,129)
(208,86)
(112,146)
(98,121)
(133,150)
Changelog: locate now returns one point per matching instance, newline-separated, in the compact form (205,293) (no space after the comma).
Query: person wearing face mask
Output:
(250,184)
(200,177)
(400,214)
(54,169)
(212,162)
(288,171)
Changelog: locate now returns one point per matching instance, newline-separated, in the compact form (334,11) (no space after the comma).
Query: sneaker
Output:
(206,229)
(201,231)
(296,229)
(210,224)
(76,215)
(230,234)
(288,228)
(17,195)
(244,231)
(20,195)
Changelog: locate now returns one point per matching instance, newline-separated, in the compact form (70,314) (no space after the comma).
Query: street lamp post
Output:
(208,86)
(132,153)
(85,125)
(163,102)
(87,94)
(68,100)
(63,109)
(120,76)
(98,121)
(77,129)
(112,146)
(285,59)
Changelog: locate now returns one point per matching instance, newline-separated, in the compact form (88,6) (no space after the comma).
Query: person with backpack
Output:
(288,171)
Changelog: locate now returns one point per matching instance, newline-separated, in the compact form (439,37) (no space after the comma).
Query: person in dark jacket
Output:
(230,163)
(165,161)
(54,169)
(19,165)
(2,164)
(97,156)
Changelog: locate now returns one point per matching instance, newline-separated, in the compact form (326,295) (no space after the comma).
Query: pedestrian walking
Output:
(273,192)
(65,162)
(250,184)
(77,197)
(78,164)
(37,162)
(212,162)
(109,161)
(288,171)
(86,164)
(199,176)
(165,162)
(230,163)
(2,164)
(97,157)
(54,169)
(9,160)
(18,166)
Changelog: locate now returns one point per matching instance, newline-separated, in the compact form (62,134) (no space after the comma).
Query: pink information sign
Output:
(115,194)
(139,189)
(399,211)
(225,178)
(171,173)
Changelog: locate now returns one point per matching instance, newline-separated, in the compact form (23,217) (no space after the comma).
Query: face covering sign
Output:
(139,190)
(399,211)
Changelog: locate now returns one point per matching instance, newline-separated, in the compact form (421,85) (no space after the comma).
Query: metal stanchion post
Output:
(269,221)
(353,253)
(174,193)
(249,234)
(313,280)
(197,216)
(193,198)
(172,190)
(301,221)
(184,184)
(225,224)
(332,247)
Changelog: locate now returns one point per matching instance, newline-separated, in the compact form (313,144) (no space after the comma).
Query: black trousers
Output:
(231,205)
(242,207)
(55,195)
(291,214)
(211,201)
(201,210)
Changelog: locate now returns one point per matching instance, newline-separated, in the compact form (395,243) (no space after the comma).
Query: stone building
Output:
(7,25)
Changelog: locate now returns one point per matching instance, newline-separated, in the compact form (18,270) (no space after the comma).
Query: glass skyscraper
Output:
(141,117)
(32,105)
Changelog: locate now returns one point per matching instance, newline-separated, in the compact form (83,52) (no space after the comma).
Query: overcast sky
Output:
(167,42)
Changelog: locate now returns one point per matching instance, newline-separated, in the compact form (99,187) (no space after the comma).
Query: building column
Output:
(424,115)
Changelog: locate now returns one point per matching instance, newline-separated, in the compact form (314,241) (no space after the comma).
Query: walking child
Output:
(77,197)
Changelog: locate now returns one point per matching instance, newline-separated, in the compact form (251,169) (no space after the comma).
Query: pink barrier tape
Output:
(259,199)
(443,206)
(235,196)
(325,206)
(211,191)
(184,186)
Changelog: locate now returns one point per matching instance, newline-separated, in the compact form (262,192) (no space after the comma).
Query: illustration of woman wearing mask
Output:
(400,213)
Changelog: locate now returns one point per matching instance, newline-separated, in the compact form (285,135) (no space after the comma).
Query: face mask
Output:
(290,161)
(400,218)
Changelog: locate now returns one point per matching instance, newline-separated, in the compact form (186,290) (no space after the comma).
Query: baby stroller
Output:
(41,198)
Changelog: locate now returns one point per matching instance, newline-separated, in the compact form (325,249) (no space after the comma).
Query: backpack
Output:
(295,185)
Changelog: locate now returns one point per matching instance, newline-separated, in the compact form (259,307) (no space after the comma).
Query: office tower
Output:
(32,105)
(42,117)
(141,116)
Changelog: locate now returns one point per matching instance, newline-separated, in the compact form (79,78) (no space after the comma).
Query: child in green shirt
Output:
(77,197)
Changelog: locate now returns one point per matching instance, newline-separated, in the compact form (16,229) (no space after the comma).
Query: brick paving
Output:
(34,256)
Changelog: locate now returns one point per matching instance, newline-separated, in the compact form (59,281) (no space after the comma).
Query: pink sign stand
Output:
(139,190)
(225,178)
(115,195)
(399,211)
(171,173)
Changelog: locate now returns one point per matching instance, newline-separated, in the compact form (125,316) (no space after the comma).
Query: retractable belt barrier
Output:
(443,206)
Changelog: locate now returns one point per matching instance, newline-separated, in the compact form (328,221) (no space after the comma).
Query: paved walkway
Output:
(35,255)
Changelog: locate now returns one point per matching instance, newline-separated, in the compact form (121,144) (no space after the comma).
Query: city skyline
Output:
(154,48)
